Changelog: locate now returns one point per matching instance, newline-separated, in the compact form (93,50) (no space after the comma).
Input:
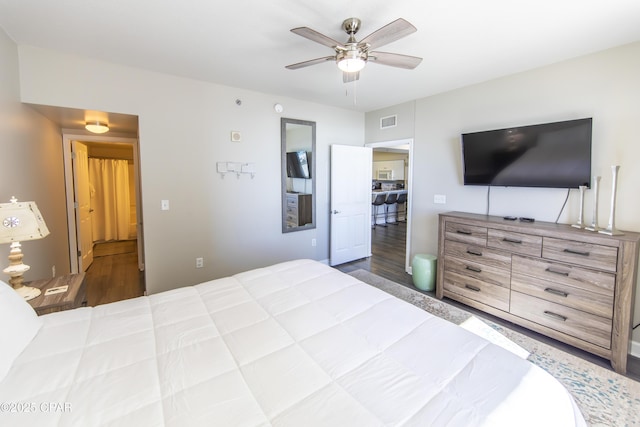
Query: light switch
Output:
(164,205)
(440,199)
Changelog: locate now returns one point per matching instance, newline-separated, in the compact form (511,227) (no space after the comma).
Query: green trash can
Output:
(423,267)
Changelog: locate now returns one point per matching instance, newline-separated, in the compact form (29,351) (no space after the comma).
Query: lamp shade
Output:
(351,60)
(351,65)
(21,221)
(96,127)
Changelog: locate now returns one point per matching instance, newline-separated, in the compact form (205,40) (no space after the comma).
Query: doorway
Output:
(401,232)
(114,160)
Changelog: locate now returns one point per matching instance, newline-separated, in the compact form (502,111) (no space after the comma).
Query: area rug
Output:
(604,397)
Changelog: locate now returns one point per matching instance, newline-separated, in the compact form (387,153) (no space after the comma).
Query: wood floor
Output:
(388,248)
(114,274)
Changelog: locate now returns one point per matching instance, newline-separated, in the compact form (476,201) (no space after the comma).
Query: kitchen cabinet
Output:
(395,166)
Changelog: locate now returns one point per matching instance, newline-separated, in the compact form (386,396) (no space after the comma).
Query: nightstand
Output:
(74,297)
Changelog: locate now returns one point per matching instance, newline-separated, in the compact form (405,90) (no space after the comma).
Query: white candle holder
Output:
(594,222)
(611,227)
(580,222)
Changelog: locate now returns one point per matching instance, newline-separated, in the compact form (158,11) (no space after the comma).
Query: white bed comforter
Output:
(294,344)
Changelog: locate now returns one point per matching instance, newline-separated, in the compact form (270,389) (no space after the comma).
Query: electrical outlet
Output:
(313,242)
(199,262)
(439,198)
(53,271)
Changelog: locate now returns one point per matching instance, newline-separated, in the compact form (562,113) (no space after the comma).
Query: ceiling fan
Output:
(353,55)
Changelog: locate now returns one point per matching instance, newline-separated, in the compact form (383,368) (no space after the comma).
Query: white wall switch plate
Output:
(439,198)
(164,205)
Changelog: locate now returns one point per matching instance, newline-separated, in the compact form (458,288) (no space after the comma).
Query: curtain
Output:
(110,201)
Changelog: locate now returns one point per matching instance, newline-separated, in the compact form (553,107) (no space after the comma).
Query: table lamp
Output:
(20,221)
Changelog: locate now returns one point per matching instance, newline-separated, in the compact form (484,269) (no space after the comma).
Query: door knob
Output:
(335,212)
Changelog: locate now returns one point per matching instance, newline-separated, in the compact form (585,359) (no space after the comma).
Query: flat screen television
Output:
(298,164)
(550,155)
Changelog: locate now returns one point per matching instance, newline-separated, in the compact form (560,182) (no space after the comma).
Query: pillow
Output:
(19,323)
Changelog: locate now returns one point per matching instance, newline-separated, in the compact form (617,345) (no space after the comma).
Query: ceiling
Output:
(247,43)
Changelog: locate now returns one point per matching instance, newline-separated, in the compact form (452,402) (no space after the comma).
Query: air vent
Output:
(388,122)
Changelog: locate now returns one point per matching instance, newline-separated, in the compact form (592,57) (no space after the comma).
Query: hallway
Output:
(114,274)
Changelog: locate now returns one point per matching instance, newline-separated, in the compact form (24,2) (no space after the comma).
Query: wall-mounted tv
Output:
(298,164)
(551,155)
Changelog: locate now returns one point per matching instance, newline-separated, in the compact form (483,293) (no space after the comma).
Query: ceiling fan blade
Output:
(395,60)
(389,33)
(350,77)
(310,62)
(315,36)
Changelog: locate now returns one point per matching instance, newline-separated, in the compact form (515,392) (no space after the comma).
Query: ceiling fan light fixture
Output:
(351,65)
(96,127)
(351,61)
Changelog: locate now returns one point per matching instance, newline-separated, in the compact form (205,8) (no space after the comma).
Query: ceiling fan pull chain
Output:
(355,92)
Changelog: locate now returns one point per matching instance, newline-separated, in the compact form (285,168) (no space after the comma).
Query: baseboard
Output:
(635,349)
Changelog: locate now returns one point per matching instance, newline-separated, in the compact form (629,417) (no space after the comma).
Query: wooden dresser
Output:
(299,211)
(570,284)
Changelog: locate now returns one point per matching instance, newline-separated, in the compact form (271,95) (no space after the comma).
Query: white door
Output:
(82,204)
(350,203)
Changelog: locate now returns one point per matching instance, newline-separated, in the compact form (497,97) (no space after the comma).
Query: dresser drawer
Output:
(597,283)
(464,267)
(519,243)
(292,201)
(584,326)
(466,233)
(478,254)
(594,256)
(576,298)
(477,290)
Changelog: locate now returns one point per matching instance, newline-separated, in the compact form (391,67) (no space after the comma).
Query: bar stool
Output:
(390,200)
(402,200)
(378,201)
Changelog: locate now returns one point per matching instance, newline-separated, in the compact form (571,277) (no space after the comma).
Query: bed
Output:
(297,343)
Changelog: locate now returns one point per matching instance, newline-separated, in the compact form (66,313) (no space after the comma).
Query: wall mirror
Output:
(298,154)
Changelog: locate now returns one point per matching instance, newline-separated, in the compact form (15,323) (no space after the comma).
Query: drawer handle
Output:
(574,252)
(508,240)
(472,288)
(474,252)
(474,269)
(562,273)
(465,232)
(555,315)
(557,292)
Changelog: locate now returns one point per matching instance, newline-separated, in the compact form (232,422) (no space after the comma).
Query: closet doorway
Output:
(103,198)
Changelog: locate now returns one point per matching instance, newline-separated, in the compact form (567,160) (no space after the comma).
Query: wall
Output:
(184,129)
(31,160)
(405,124)
(604,86)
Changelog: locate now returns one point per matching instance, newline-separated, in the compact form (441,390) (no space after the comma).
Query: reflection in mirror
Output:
(298,149)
